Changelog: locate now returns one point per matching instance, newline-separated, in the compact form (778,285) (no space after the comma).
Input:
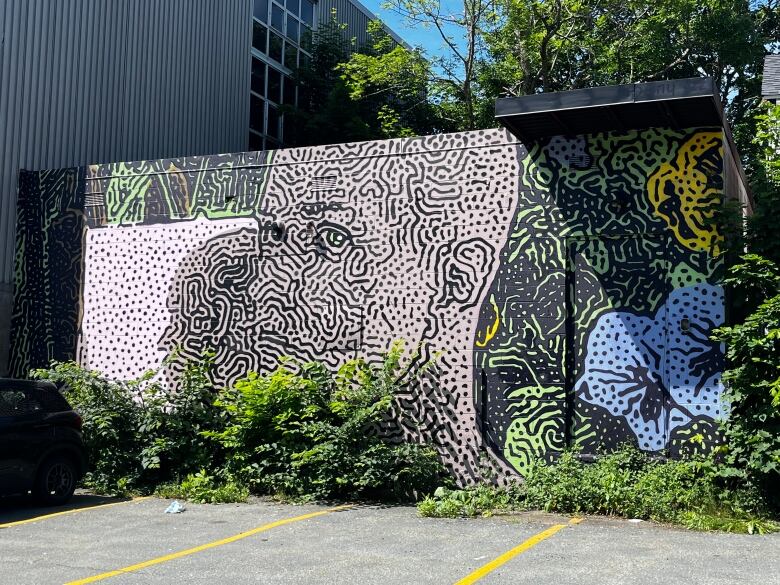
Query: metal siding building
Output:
(770,86)
(89,80)
(355,16)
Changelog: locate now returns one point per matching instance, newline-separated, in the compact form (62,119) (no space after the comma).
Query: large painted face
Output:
(548,281)
(345,256)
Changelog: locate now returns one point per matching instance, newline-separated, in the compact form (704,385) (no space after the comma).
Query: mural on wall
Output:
(50,223)
(570,290)
(596,329)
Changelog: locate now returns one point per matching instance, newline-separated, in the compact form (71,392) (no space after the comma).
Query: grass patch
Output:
(625,483)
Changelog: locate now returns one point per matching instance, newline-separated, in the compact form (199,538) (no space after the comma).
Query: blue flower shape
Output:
(658,372)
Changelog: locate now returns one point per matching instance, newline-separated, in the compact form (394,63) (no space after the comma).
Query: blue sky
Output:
(428,39)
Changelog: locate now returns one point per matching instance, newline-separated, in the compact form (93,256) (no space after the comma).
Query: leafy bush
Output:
(606,487)
(477,501)
(751,454)
(625,483)
(306,431)
(203,488)
(139,433)
(110,428)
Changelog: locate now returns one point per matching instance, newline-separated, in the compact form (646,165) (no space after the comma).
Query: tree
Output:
(752,429)
(394,82)
(321,116)
(350,93)
(762,233)
(456,69)
(553,45)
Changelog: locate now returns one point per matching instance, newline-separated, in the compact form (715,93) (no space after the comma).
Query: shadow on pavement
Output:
(18,508)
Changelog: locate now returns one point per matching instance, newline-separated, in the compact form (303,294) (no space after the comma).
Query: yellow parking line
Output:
(71,511)
(202,547)
(522,547)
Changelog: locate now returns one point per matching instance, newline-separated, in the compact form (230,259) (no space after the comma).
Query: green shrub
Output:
(727,523)
(306,431)
(625,483)
(138,433)
(110,425)
(477,501)
(751,454)
(203,488)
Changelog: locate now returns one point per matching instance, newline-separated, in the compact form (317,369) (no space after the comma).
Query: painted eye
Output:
(336,239)
(335,236)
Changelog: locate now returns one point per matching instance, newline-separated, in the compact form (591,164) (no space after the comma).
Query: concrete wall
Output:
(570,289)
(96,80)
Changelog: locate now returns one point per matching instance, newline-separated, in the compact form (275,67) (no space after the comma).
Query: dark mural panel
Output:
(566,293)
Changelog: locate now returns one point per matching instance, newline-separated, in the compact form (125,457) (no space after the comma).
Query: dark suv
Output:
(41,448)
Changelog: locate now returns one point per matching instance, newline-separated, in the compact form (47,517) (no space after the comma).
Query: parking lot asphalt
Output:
(131,542)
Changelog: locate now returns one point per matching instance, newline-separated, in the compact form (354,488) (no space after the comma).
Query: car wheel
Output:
(56,481)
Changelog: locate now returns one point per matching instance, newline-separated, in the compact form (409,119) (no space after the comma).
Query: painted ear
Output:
(465,270)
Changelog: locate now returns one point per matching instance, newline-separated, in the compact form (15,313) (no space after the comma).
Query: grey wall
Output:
(86,81)
(354,15)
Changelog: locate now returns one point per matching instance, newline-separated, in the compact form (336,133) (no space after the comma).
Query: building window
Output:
(305,61)
(290,56)
(258,77)
(260,37)
(275,47)
(255,141)
(307,12)
(256,113)
(260,10)
(274,129)
(289,92)
(287,42)
(277,17)
(305,35)
(274,85)
(292,28)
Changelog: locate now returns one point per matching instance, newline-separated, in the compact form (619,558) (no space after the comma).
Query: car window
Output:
(18,402)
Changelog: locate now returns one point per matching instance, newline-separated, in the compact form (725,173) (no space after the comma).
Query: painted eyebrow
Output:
(316,209)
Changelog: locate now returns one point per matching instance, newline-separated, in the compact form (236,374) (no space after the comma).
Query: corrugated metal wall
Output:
(85,81)
(354,15)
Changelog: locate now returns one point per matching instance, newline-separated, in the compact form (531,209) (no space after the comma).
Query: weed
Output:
(202,488)
(624,483)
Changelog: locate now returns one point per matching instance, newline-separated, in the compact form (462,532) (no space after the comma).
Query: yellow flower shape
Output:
(687,191)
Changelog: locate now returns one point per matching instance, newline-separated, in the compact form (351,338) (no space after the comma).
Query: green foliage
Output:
(740,525)
(752,429)
(110,425)
(350,93)
(553,45)
(765,181)
(453,85)
(481,500)
(203,488)
(305,431)
(768,139)
(625,483)
(517,47)
(393,82)
(139,433)
(325,112)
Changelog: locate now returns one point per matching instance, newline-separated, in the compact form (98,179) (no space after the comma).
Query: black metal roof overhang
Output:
(680,103)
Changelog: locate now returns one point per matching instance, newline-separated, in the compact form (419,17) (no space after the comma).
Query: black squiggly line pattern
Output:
(508,263)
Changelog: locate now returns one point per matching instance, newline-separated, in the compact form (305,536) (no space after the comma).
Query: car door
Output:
(24,434)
